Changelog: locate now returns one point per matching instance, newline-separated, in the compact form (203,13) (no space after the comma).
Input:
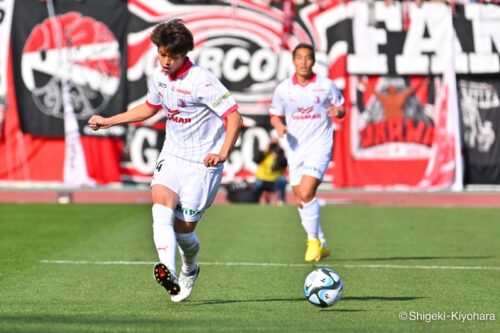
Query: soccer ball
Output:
(322,287)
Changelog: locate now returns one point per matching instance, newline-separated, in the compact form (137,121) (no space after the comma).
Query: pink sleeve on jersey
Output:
(153,106)
(229,111)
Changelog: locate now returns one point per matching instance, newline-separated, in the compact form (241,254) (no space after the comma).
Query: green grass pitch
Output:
(394,261)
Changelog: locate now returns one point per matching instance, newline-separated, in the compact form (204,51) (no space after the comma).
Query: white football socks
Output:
(189,245)
(164,235)
(309,214)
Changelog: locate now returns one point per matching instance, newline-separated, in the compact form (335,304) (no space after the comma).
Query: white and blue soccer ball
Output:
(322,287)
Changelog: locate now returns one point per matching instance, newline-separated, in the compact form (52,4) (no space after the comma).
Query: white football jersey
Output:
(195,103)
(305,109)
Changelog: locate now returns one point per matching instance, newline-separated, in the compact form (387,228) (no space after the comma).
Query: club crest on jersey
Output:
(306,109)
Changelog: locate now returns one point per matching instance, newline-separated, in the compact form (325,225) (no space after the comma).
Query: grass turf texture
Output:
(37,296)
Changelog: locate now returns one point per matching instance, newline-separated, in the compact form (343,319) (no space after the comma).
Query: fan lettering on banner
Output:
(397,130)
(486,35)
(424,46)
(238,63)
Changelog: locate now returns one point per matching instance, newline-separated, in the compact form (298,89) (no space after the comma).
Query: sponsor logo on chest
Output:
(174,115)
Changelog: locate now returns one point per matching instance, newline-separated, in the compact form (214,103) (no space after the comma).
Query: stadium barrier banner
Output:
(94,45)
(386,138)
(392,44)
(247,44)
(382,153)
(403,132)
(480,104)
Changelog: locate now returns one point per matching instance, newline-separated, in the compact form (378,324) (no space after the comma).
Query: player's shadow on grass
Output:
(301,299)
(343,310)
(417,258)
(96,322)
(225,301)
(371,299)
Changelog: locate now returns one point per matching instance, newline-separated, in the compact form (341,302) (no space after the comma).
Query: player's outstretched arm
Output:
(233,126)
(138,113)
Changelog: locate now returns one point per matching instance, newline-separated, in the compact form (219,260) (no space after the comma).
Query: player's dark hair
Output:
(174,36)
(304,46)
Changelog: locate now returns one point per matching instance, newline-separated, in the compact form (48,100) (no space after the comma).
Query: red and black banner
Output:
(387,137)
(386,59)
(84,45)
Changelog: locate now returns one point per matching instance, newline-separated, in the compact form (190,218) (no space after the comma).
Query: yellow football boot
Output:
(313,252)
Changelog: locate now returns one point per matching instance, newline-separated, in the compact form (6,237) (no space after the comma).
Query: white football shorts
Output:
(310,164)
(196,185)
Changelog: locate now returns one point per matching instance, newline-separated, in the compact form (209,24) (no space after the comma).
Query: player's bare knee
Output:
(164,196)
(306,196)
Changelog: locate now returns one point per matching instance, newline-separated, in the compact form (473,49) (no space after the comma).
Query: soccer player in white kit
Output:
(307,103)
(189,168)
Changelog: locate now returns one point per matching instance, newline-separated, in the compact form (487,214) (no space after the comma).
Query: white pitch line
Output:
(89,262)
(493,268)
(270,264)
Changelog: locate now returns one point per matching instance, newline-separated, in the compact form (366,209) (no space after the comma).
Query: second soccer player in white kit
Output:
(302,109)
